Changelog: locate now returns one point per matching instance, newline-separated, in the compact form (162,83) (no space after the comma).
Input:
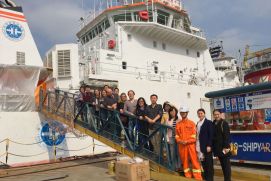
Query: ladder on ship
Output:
(113,129)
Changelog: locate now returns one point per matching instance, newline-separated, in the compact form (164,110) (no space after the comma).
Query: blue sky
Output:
(236,22)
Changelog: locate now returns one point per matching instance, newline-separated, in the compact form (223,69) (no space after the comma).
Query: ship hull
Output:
(258,76)
(30,138)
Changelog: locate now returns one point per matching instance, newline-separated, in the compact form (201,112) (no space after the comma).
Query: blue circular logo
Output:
(13,31)
(53,133)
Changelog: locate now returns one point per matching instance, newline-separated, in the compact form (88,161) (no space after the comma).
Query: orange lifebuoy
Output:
(144,15)
(111,44)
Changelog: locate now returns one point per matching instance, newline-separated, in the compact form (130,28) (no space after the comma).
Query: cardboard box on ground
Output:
(132,170)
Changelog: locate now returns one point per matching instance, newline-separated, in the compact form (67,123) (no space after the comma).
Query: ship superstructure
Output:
(257,66)
(151,47)
(226,66)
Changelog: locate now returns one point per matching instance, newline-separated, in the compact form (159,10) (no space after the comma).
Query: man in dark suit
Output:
(221,144)
(204,144)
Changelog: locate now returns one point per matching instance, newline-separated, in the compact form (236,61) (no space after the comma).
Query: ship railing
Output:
(148,74)
(125,130)
(259,65)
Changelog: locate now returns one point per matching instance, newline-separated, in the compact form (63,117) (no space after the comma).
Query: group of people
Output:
(202,141)
(196,143)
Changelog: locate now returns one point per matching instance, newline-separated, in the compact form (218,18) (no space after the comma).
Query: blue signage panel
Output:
(252,146)
(242,102)
(268,115)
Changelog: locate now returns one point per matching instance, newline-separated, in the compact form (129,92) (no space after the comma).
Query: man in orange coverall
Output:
(186,140)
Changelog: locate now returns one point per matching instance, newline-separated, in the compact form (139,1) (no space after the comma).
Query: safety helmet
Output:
(184,109)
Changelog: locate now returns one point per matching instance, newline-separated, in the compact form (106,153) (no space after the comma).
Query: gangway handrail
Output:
(121,129)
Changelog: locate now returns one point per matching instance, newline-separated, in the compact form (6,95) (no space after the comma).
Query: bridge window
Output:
(95,31)
(123,17)
(162,17)
(64,63)
(20,57)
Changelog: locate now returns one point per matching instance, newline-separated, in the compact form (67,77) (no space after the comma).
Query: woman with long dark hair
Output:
(143,125)
(172,121)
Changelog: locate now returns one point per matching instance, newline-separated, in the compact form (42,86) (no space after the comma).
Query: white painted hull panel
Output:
(26,128)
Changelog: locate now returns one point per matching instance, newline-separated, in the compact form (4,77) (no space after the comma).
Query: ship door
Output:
(206,104)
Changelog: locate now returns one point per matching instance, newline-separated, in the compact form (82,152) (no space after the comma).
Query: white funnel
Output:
(16,42)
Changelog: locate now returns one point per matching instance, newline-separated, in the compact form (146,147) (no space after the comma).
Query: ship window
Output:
(164,46)
(93,32)
(198,54)
(123,17)
(162,17)
(106,24)
(154,44)
(87,39)
(124,65)
(155,69)
(90,35)
(129,36)
(20,56)
(64,63)
(187,51)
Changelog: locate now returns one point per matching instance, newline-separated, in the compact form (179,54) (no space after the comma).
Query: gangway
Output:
(115,130)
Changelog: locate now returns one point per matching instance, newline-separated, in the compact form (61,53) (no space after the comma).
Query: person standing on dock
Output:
(186,140)
(221,143)
(204,144)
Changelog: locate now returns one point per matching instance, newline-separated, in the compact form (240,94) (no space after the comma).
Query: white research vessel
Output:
(28,137)
(150,47)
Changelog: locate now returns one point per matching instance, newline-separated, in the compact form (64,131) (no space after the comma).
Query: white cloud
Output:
(52,21)
(252,8)
(236,39)
(55,20)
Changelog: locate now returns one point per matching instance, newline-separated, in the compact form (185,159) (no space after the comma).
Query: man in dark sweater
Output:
(109,101)
(221,143)
(154,114)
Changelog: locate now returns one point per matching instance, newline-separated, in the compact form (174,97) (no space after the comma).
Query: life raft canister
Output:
(144,15)
(111,44)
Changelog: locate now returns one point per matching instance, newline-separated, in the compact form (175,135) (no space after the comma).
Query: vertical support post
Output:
(7,147)
(49,101)
(54,147)
(65,104)
(56,98)
(41,99)
(93,146)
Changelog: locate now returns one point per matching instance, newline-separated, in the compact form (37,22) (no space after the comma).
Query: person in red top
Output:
(186,140)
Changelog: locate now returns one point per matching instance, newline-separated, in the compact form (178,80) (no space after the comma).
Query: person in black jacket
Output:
(143,125)
(204,144)
(221,143)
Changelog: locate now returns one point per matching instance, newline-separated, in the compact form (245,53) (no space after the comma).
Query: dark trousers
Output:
(226,167)
(208,167)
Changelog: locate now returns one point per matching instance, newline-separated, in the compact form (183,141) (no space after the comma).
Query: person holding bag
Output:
(221,144)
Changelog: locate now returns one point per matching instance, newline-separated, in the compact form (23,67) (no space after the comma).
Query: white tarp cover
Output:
(17,87)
